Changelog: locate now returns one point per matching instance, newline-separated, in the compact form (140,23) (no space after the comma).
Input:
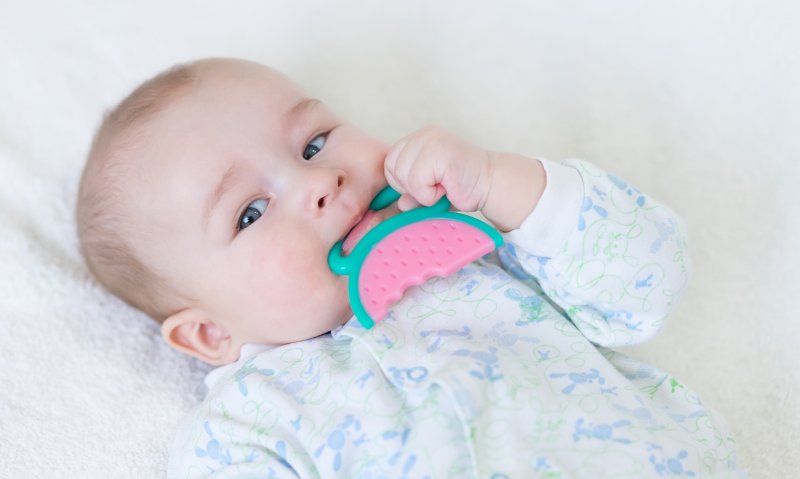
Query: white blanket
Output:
(696,104)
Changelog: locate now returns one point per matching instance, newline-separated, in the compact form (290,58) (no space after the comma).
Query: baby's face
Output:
(249,186)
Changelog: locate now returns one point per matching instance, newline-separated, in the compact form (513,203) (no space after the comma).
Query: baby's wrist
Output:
(515,185)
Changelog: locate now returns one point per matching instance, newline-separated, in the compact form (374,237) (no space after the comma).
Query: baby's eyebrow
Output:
(301,108)
(223,186)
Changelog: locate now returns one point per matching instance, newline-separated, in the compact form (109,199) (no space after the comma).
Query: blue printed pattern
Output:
(501,370)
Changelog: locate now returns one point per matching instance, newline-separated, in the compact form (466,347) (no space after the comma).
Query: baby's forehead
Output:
(226,95)
(230,107)
(229,77)
(234,110)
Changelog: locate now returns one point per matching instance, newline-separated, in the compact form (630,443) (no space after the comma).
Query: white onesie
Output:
(501,370)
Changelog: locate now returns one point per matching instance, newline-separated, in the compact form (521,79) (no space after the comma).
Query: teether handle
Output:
(389,195)
(383,199)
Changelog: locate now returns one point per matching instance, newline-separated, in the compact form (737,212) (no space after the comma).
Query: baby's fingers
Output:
(412,167)
(423,182)
(391,178)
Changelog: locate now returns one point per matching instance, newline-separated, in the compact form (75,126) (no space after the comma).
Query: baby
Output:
(210,200)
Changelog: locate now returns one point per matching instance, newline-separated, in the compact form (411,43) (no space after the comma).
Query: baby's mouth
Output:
(370,219)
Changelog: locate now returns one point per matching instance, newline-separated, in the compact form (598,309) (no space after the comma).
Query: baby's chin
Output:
(347,317)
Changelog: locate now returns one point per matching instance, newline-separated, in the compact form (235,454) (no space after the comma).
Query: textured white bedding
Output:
(697,104)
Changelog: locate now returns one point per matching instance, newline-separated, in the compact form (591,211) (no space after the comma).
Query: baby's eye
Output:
(253,212)
(313,148)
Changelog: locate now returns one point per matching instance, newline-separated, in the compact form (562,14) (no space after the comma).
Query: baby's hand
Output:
(432,162)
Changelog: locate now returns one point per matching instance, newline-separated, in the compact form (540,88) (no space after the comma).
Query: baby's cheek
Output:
(297,276)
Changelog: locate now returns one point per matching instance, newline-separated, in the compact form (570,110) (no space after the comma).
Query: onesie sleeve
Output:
(612,258)
(213,448)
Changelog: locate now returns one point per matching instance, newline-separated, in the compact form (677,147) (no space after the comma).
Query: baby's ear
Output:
(190,331)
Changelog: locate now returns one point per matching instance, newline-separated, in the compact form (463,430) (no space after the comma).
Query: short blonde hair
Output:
(101,215)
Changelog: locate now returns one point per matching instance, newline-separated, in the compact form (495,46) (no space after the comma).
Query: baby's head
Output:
(210,199)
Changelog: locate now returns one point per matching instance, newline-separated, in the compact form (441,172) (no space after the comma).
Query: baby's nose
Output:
(322,187)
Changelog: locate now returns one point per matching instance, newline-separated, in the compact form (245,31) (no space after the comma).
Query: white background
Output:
(694,102)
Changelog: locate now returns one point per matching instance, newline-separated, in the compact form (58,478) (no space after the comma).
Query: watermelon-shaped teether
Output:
(406,250)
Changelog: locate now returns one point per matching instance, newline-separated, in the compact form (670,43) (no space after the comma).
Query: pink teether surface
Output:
(414,253)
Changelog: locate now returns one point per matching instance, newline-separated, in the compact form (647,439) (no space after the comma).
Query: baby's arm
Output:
(612,258)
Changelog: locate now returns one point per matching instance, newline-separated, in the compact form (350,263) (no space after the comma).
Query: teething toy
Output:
(406,250)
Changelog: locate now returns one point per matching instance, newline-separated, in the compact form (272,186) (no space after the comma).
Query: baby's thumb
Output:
(407,202)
